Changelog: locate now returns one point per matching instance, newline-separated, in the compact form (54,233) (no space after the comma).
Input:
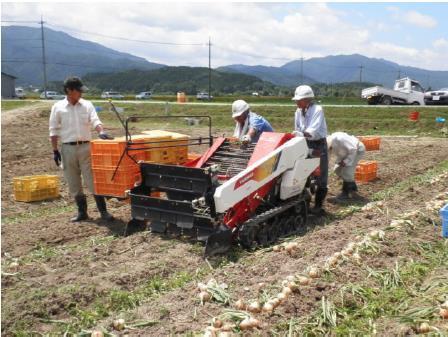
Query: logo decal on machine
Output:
(259,173)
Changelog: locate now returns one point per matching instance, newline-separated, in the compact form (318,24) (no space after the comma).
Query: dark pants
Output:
(321,145)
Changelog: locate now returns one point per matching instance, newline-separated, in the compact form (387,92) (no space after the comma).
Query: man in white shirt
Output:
(348,151)
(310,123)
(71,120)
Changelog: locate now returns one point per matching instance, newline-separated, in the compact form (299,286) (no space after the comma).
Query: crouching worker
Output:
(249,126)
(71,120)
(348,151)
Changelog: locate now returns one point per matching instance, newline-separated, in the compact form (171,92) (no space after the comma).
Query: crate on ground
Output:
(124,179)
(36,188)
(444,216)
(172,149)
(371,143)
(107,153)
(366,171)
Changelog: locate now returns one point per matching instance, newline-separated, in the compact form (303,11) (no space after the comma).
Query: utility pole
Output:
(301,70)
(209,68)
(399,74)
(44,62)
(360,73)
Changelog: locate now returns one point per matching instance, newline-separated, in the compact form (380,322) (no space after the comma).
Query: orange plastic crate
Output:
(371,143)
(107,153)
(124,179)
(366,171)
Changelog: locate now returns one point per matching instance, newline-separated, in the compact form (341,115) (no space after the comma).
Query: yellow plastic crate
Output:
(176,150)
(35,188)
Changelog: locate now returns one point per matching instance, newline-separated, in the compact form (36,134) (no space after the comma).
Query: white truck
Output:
(405,91)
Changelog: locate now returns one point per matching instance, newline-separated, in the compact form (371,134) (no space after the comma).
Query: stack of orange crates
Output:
(371,143)
(366,171)
(105,156)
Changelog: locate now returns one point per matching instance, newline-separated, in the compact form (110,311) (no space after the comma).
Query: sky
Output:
(251,33)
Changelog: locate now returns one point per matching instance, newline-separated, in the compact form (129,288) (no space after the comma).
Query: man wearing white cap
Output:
(348,151)
(249,126)
(310,123)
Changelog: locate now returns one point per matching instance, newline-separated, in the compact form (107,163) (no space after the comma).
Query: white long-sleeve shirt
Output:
(345,147)
(73,122)
(313,122)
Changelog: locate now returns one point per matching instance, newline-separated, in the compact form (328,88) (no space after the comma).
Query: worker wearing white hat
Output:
(249,126)
(310,123)
(348,151)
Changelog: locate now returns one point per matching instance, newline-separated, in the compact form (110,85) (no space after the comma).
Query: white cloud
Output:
(236,29)
(440,43)
(419,20)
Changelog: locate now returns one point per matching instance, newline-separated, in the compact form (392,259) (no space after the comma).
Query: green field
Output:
(9,105)
(355,120)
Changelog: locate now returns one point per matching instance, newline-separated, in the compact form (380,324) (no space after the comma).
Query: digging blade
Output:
(218,243)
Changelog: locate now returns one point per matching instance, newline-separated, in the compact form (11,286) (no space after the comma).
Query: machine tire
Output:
(415,103)
(386,100)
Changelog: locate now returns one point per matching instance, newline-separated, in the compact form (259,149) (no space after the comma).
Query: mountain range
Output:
(66,55)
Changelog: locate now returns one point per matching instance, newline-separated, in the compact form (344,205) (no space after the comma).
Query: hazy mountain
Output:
(275,75)
(344,68)
(66,55)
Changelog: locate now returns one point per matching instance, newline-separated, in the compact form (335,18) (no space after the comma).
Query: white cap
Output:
(303,91)
(239,107)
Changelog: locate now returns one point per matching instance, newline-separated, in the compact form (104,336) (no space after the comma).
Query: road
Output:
(254,104)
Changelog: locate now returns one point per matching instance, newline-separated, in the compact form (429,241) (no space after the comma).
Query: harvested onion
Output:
(293,286)
(254,307)
(276,248)
(268,307)
(424,328)
(292,246)
(97,333)
(255,323)
(303,280)
(287,291)
(246,324)
(217,323)
(313,272)
(240,305)
(443,313)
(275,302)
(290,278)
(444,305)
(281,297)
(204,296)
(118,324)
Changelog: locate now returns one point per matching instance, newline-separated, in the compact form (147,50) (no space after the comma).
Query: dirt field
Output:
(62,277)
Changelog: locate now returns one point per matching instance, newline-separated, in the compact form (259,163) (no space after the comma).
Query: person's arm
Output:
(55,127)
(315,124)
(97,125)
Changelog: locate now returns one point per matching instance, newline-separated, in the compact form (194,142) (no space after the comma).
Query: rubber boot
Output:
(81,202)
(345,193)
(321,193)
(102,208)
(353,190)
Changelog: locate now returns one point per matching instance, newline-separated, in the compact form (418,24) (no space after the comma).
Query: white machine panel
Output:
(261,172)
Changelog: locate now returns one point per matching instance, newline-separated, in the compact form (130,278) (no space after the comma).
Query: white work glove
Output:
(297,133)
(246,139)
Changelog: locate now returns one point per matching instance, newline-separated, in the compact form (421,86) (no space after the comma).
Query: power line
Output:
(127,39)
(253,55)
